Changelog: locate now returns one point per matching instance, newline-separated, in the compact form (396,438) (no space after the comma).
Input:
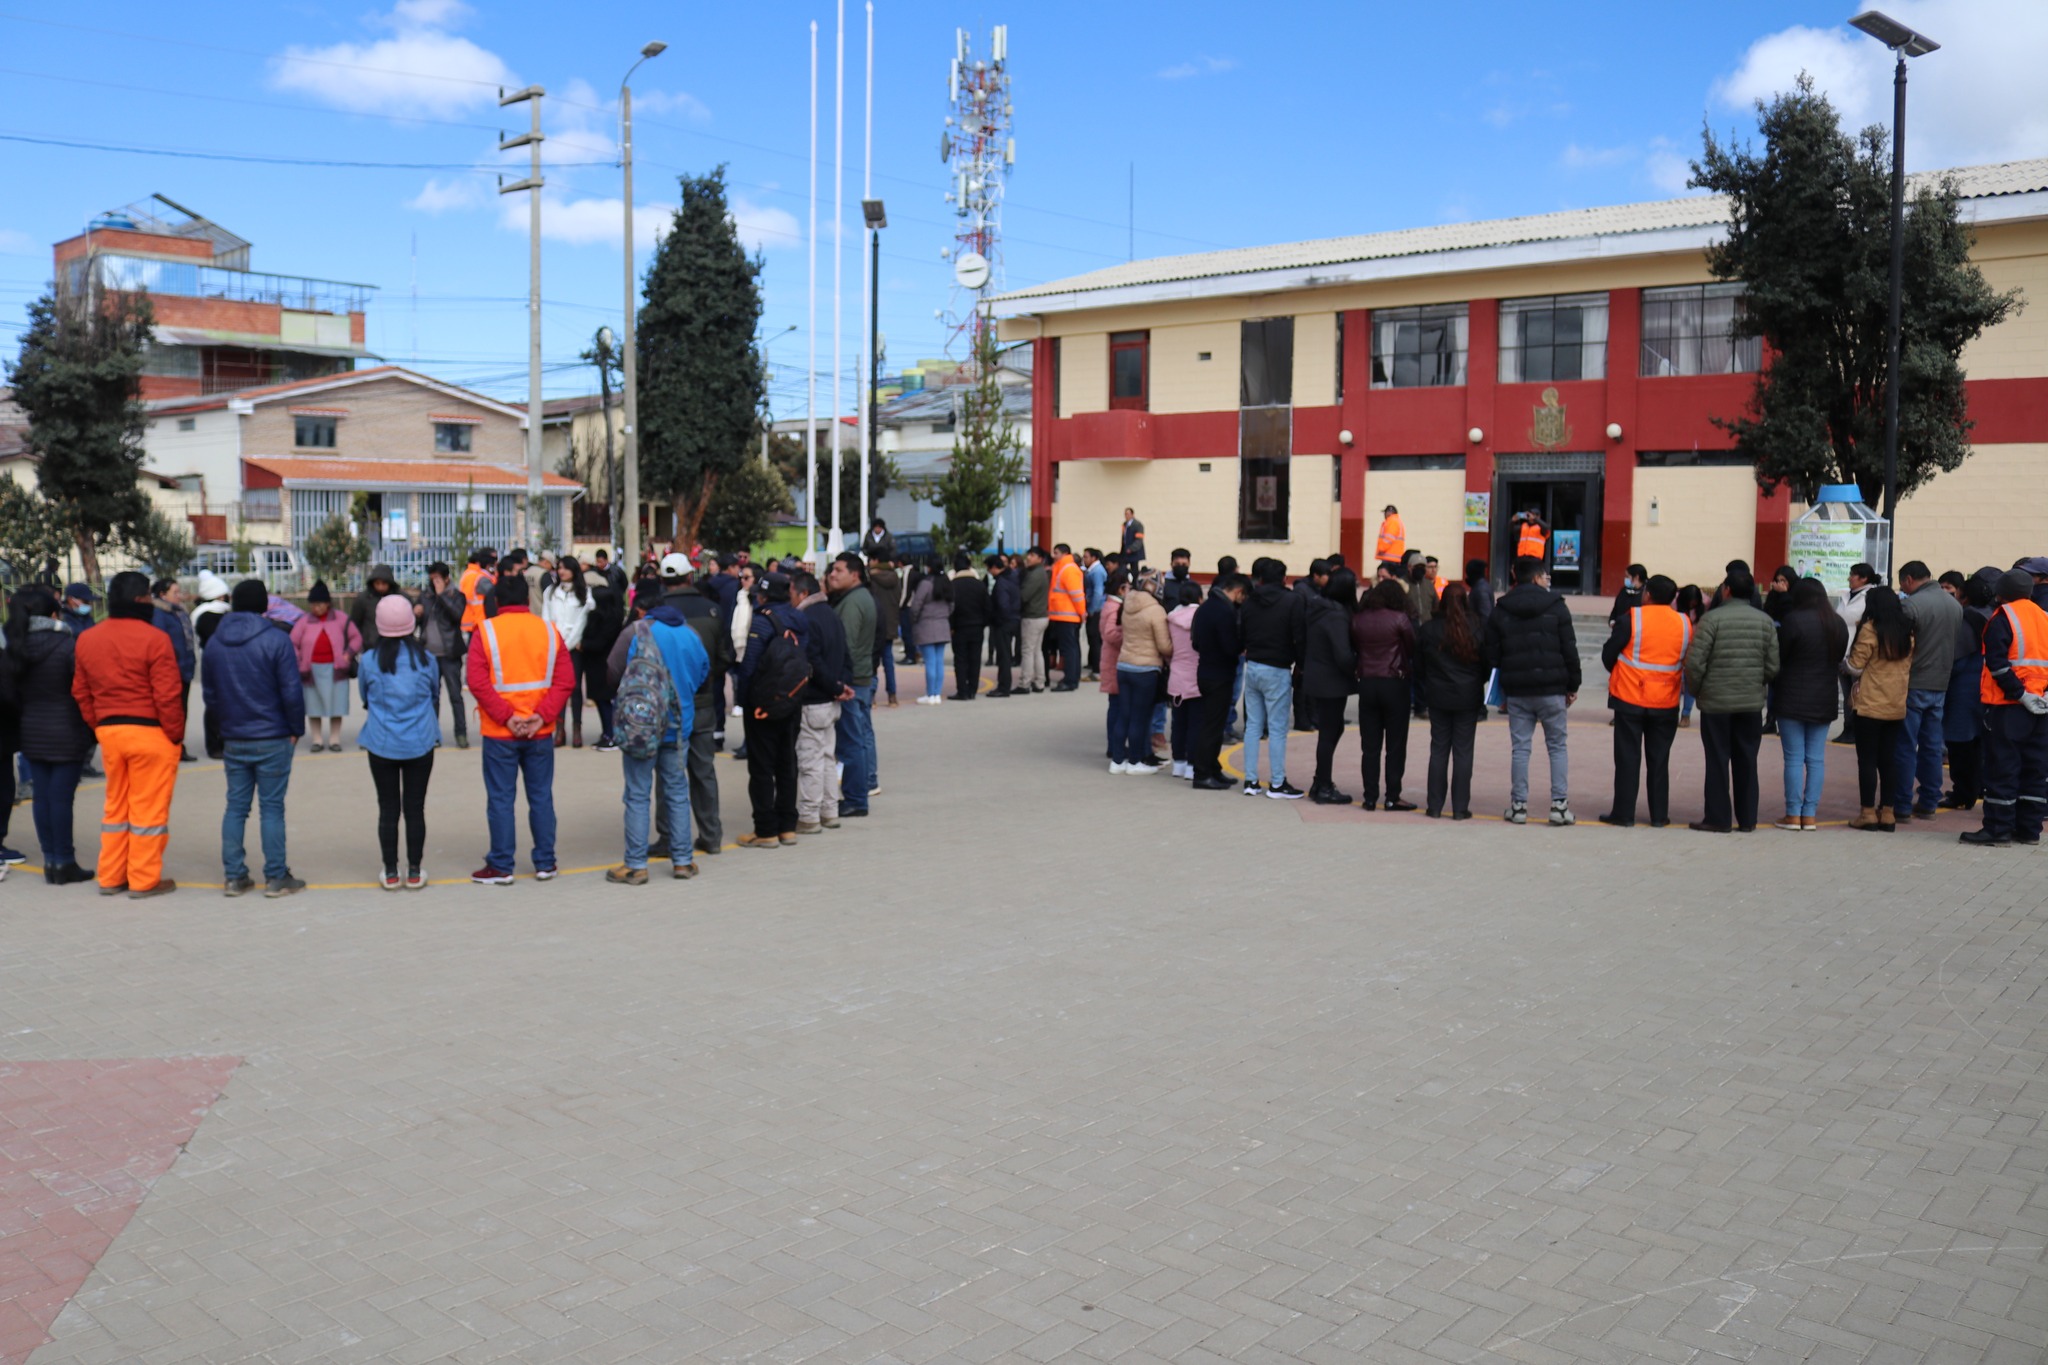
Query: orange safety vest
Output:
(2029,653)
(1067,600)
(1649,672)
(1530,545)
(1393,542)
(521,650)
(474,580)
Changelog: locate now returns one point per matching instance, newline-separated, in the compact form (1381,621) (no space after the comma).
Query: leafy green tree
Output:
(78,378)
(786,453)
(744,507)
(32,530)
(333,550)
(161,545)
(462,533)
(700,372)
(1810,235)
(988,460)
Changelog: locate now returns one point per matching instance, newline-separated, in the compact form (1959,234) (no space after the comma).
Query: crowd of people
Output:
(1942,678)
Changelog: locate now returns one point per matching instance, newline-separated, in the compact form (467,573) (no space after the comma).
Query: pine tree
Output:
(700,372)
(1810,236)
(78,378)
(988,460)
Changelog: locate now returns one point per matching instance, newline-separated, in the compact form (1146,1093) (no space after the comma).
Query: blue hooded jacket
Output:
(251,680)
(401,720)
(688,665)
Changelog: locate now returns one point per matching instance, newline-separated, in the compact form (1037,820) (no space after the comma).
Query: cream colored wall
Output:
(1084,373)
(1705,517)
(1181,381)
(1181,505)
(1315,360)
(2013,257)
(1993,510)
(1432,503)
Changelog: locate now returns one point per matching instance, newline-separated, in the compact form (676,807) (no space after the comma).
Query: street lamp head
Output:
(605,338)
(872,210)
(1893,34)
(653,50)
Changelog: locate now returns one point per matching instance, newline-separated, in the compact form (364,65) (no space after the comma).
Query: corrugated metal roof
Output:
(1974,182)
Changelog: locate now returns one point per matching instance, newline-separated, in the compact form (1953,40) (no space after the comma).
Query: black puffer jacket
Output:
(1529,638)
(1328,660)
(1448,682)
(1811,644)
(1274,623)
(52,730)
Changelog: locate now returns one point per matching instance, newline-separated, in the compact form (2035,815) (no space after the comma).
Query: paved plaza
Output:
(1038,1064)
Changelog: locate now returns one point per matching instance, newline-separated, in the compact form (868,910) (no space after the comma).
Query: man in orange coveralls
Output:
(127,686)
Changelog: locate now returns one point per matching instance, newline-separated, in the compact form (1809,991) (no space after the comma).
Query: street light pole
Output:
(877,218)
(629,389)
(1905,42)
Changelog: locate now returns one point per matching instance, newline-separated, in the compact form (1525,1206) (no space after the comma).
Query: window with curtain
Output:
(1129,366)
(1557,337)
(1265,435)
(1415,348)
(1694,329)
(1266,363)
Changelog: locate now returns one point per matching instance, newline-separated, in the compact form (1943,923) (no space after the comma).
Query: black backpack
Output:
(775,689)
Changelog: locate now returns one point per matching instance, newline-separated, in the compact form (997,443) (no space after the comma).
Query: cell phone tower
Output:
(979,150)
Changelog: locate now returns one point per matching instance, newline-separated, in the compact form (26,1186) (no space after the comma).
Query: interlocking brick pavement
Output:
(1041,1064)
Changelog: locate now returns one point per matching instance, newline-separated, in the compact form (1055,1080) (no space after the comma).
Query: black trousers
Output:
(1450,759)
(1094,641)
(1006,634)
(967,662)
(1731,739)
(1207,755)
(1329,716)
(402,789)
(2015,771)
(1382,723)
(1064,637)
(771,774)
(1304,704)
(1877,761)
(1966,769)
(1642,739)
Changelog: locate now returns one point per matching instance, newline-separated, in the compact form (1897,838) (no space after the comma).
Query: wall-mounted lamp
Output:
(1475,436)
(1344,436)
(1653,512)
(1614,431)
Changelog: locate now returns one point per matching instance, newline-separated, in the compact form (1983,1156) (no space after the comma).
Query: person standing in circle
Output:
(327,645)
(400,683)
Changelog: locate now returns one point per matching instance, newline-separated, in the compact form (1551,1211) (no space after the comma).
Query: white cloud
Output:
(1579,158)
(1667,168)
(422,69)
(444,196)
(1977,99)
(1200,66)
(765,227)
(672,102)
(13,243)
(600,221)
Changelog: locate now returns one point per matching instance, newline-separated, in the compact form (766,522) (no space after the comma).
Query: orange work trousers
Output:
(142,770)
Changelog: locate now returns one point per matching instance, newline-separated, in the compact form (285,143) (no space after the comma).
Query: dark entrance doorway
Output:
(1565,491)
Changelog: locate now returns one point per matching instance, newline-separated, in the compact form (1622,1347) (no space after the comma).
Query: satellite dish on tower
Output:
(971,270)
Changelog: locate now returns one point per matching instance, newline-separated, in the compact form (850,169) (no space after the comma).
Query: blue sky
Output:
(1240,124)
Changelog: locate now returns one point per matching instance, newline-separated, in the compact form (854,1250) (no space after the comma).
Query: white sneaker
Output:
(1141,769)
(735,710)
(1116,766)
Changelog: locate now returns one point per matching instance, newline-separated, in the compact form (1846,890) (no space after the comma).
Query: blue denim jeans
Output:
(1137,687)
(506,762)
(1269,711)
(669,762)
(1524,715)
(856,749)
(1806,763)
(934,657)
(1922,747)
(56,790)
(261,768)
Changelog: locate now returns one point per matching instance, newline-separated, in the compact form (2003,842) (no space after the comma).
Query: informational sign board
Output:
(1564,550)
(394,525)
(1266,493)
(1826,550)
(1479,511)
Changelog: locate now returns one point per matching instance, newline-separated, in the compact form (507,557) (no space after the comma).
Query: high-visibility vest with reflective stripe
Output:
(520,648)
(1393,541)
(1649,672)
(2029,654)
(474,580)
(1067,599)
(1530,544)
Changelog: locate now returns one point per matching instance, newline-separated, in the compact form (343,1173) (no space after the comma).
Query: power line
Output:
(273,160)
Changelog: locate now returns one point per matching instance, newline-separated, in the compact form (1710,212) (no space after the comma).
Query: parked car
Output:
(912,546)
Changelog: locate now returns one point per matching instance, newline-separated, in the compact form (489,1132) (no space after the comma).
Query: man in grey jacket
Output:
(1937,639)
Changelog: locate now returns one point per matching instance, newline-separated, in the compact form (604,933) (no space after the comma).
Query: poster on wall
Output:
(394,526)
(1266,494)
(1826,550)
(1565,550)
(1479,511)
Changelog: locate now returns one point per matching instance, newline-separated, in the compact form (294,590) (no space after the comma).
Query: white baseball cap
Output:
(675,565)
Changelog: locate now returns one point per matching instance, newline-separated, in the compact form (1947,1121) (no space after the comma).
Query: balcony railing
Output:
(187,279)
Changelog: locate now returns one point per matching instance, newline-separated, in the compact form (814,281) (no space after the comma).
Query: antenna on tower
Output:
(979,149)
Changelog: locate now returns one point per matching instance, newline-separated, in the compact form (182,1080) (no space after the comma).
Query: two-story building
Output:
(1272,400)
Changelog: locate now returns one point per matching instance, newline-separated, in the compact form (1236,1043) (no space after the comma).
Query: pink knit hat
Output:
(394,616)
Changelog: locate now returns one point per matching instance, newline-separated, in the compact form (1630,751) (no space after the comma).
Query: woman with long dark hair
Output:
(565,604)
(399,683)
(1454,689)
(600,633)
(930,613)
(1328,675)
(1881,661)
(1691,604)
(54,736)
(1383,641)
(1962,717)
(1811,640)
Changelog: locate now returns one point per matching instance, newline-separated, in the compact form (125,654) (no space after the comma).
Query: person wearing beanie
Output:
(328,645)
(2015,696)
(400,683)
(125,681)
(776,632)
(250,682)
(206,619)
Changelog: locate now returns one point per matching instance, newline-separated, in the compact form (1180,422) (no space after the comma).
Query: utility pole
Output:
(531,95)
(604,412)
(629,437)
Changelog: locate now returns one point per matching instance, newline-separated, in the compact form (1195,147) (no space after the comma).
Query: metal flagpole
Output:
(838,260)
(811,325)
(871,285)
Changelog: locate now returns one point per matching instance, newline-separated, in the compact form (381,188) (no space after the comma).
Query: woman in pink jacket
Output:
(328,645)
(1181,689)
(1111,625)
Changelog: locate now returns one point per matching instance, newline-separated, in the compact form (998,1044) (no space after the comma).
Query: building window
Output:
(262,504)
(188,424)
(1056,376)
(1694,329)
(438,512)
(1265,435)
(1340,357)
(1265,364)
(452,438)
(314,433)
(1130,365)
(1418,348)
(1561,337)
(313,508)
